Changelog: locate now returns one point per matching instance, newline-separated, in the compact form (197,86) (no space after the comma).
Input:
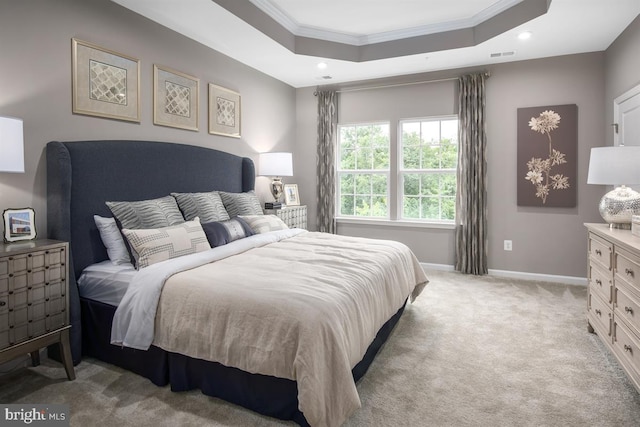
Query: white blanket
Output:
(304,307)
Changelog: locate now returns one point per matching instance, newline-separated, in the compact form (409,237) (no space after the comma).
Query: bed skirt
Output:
(267,395)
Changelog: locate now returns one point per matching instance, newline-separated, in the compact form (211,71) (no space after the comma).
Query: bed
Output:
(83,175)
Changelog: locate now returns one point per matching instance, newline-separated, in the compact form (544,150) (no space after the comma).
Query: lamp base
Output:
(277,188)
(618,206)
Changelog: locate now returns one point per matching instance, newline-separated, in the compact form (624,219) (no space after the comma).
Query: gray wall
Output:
(545,240)
(35,83)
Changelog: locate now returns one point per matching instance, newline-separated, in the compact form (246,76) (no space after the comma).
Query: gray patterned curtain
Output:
(471,202)
(325,167)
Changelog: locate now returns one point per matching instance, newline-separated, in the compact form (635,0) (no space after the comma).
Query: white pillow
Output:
(153,245)
(264,223)
(112,240)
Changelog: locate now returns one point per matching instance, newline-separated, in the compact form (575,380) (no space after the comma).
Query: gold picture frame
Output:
(175,98)
(19,224)
(291,196)
(105,83)
(224,111)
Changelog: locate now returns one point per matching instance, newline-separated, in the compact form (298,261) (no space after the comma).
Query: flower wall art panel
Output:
(547,156)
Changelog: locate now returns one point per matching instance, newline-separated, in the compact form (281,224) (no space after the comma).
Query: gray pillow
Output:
(207,206)
(155,213)
(112,240)
(241,203)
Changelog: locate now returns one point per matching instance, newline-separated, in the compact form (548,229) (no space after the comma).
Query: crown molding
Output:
(286,21)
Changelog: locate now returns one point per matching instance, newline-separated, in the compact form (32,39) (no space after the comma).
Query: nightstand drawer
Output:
(600,251)
(627,347)
(600,282)
(627,308)
(600,312)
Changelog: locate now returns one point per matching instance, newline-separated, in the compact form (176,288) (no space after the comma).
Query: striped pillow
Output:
(264,223)
(241,203)
(154,213)
(151,246)
(207,206)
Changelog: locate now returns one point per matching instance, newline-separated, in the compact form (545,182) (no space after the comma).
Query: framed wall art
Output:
(105,83)
(224,111)
(19,224)
(291,196)
(175,98)
(547,156)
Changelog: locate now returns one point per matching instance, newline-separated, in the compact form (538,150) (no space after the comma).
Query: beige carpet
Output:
(472,351)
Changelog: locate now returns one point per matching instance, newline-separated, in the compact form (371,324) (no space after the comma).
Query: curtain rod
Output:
(356,89)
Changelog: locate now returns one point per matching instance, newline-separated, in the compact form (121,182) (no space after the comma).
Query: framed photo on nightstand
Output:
(19,224)
(291,196)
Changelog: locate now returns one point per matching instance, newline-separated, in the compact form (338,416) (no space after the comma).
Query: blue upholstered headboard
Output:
(83,175)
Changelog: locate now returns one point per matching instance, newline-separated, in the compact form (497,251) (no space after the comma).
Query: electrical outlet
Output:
(508,245)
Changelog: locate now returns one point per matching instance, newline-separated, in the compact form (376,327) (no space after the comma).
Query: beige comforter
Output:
(305,308)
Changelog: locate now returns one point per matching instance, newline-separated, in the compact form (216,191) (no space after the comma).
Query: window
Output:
(427,174)
(363,170)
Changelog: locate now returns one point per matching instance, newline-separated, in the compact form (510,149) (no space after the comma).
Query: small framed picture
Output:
(175,98)
(291,196)
(19,224)
(224,111)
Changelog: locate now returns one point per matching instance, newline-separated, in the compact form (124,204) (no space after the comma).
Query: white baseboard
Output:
(569,280)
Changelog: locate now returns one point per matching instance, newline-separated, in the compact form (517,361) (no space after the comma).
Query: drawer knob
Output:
(628,310)
(598,312)
(598,252)
(629,272)
(3,303)
(598,282)
(628,348)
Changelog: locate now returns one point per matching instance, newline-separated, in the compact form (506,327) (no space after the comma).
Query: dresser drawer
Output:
(627,307)
(601,282)
(600,313)
(627,347)
(600,251)
(627,268)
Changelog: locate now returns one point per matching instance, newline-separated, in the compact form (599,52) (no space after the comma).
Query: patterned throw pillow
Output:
(150,246)
(241,203)
(264,223)
(154,213)
(221,233)
(112,240)
(206,206)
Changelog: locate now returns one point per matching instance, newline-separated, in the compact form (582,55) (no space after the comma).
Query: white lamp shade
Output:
(618,165)
(11,145)
(276,164)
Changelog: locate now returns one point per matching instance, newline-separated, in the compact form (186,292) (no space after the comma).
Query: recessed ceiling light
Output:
(322,65)
(525,35)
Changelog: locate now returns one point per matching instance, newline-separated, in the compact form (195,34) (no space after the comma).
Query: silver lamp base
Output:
(619,205)
(277,188)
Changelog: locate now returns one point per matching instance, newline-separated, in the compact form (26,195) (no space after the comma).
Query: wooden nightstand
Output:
(34,300)
(293,216)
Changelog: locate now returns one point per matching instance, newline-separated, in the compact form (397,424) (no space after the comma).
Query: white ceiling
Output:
(569,27)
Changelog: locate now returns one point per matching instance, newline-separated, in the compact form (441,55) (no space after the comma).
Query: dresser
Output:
(34,300)
(293,216)
(613,299)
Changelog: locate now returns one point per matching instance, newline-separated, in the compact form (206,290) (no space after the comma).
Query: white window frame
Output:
(401,171)
(339,171)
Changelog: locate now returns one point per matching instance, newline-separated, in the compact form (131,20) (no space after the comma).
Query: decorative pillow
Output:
(154,213)
(112,240)
(241,203)
(264,223)
(150,246)
(221,233)
(207,206)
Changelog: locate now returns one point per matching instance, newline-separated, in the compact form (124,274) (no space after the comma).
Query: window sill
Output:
(396,223)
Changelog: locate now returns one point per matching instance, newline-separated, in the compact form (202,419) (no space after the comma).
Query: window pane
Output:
(411,208)
(448,184)
(449,130)
(430,157)
(411,184)
(411,157)
(347,205)
(449,154)
(379,185)
(380,136)
(363,206)
(347,184)
(431,132)
(348,136)
(364,159)
(363,184)
(348,159)
(381,158)
(449,208)
(430,208)
(364,136)
(430,185)
(380,206)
